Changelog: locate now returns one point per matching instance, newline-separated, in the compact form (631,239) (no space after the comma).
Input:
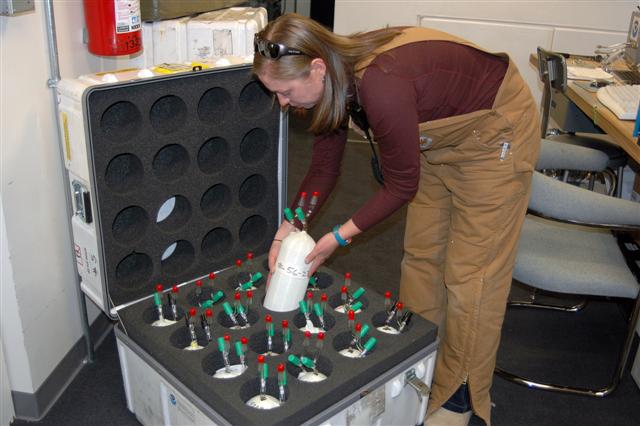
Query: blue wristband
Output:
(341,241)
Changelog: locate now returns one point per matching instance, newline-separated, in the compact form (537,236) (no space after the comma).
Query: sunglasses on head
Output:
(272,50)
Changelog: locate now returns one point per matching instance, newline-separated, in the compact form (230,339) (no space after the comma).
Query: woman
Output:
(457,132)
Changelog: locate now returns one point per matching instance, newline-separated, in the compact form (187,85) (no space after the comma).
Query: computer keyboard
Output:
(622,99)
(627,76)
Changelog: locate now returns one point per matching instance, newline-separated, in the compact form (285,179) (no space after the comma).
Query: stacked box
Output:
(224,32)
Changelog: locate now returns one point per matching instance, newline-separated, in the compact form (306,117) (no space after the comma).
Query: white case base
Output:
(157,398)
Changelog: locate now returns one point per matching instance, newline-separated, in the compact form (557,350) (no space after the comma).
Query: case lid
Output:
(186,175)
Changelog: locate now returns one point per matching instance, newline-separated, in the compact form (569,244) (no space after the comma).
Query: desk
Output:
(620,131)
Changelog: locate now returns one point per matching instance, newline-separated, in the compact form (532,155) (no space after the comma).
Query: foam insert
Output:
(303,400)
(185,172)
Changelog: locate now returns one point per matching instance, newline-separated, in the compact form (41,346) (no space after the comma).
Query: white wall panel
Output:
(514,26)
(582,41)
(605,15)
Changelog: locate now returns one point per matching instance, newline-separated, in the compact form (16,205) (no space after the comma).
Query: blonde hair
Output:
(340,54)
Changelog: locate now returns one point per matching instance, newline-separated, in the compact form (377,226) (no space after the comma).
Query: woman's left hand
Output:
(321,252)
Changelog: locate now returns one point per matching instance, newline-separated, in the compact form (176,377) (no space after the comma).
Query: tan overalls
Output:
(463,227)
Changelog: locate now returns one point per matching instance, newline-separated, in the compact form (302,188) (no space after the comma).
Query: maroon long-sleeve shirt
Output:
(402,87)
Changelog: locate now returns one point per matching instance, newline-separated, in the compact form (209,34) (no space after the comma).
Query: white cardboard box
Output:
(224,32)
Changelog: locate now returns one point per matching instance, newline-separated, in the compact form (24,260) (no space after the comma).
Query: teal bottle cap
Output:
(219,295)
(227,308)
(221,344)
(308,362)
(239,350)
(356,306)
(288,214)
(294,360)
(317,309)
(300,214)
(303,306)
(364,331)
(207,304)
(156,299)
(265,370)
(256,277)
(359,292)
(370,344)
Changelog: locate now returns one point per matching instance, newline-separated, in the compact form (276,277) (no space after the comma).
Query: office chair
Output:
(552,70)
(575,241)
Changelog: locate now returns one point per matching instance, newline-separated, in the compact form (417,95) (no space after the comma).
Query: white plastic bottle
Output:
(288,285)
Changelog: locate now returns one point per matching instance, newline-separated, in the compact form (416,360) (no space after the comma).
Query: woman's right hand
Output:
(283,231)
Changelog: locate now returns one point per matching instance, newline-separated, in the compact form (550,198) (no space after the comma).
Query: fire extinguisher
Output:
(113,26)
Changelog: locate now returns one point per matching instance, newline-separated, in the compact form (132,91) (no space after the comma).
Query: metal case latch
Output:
(81,202)
(421,387)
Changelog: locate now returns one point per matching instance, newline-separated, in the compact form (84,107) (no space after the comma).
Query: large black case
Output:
(188,176)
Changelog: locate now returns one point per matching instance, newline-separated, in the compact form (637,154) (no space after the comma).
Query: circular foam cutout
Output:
(174,213)
(124,173)
(170,162)
(121,121)
(130,224)
(254,145)
(168,114)
(177,257)
(253,191)
(213,155)
(253,232)
(329,321)
(323,365)
(251,388)
(181,338)
(217,243)
(215,105)
(134,270)
(216,201)
(255,100)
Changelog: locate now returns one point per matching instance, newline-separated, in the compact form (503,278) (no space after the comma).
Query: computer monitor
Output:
(632,52)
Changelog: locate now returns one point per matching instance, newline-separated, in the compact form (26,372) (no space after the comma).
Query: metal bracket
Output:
(81,202)
(422,389)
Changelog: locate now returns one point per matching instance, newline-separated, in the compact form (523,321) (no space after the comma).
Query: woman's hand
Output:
(322,250)
(283,231)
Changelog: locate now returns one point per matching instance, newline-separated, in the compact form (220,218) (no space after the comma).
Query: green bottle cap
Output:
(364,331)
(256,277)
(308,362)
(284,378)
(239,351)
(240,309)
(221,344)
(271,330)
(227,308)
(303,307)
(288,214)
(300,214)
(207,304)
(265,370)
(370,344)
(294,360)
(313,280)
(219,295)
(356,306)
(156,299)
(247,285)
(317,309)
(287,335)
(359,292)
